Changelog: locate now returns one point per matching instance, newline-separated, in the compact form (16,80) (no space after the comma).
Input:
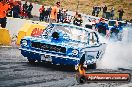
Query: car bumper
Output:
(55,58)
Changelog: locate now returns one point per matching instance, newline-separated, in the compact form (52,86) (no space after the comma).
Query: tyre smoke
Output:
(118,53)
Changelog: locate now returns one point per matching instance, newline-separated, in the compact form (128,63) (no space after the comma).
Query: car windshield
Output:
(73,33)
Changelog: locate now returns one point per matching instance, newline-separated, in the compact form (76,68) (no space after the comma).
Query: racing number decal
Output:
(98,54)
(36,32)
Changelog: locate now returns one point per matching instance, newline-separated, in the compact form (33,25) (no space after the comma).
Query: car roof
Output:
(73,26)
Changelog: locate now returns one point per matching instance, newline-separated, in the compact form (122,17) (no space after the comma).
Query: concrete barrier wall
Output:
(14,24)
(5,38)
(29,29)
(17,27)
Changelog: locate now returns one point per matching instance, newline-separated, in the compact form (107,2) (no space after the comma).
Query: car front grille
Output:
(48,47)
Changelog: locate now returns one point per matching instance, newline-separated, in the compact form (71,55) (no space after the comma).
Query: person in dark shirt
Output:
(30,7)
(98,10)
(46,13)
(102,27)
(116,29)
(25,9)
(93,12)
(42,11)
(78,20)
(64,15)
(59,15)
(104,11)
(49,12)
(112,13)
(16,10)
(121,12)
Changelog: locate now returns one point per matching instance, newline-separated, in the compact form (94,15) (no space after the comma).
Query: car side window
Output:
(93,39)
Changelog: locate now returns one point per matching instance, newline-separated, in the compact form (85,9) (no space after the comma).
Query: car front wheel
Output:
(31,60)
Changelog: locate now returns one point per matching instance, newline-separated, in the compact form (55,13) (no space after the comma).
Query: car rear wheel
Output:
(91,66)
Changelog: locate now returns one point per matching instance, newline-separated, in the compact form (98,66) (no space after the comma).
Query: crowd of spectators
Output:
(15,9)
(20,10)
(107,14)
(52,14)
(56,14)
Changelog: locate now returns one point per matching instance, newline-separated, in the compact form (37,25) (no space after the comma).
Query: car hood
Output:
(63,43)
(75,44)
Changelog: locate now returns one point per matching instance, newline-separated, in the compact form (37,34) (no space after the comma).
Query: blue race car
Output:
(64,44)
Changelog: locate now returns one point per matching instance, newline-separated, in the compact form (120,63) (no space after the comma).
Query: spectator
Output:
(116,28)
(120,13)
(46,14)
(104,11)
(98,10)
(112,13)
(64,15)
(62,12)
(9,14)
(41,10)
(102,27)
(54,11)
(16,10)
(67,20)
(49,12)
(59,16)
(4,8)
(76,15)
(78,20)
(21,10)
(25,9)
(30,7)
(93,12)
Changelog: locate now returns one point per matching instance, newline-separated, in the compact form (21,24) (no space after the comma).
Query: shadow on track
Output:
(53,67)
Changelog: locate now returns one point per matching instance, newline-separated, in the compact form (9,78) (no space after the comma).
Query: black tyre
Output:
(92,66)
(31,60)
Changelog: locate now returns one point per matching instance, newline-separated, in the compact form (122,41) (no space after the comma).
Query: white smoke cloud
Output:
(118,54)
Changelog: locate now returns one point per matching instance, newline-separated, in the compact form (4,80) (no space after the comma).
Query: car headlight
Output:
(75,52)
(24,42)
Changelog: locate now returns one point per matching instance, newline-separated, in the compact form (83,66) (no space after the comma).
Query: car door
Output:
(95,50)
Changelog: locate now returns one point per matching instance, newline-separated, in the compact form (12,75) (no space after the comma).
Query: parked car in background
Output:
(64,44)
